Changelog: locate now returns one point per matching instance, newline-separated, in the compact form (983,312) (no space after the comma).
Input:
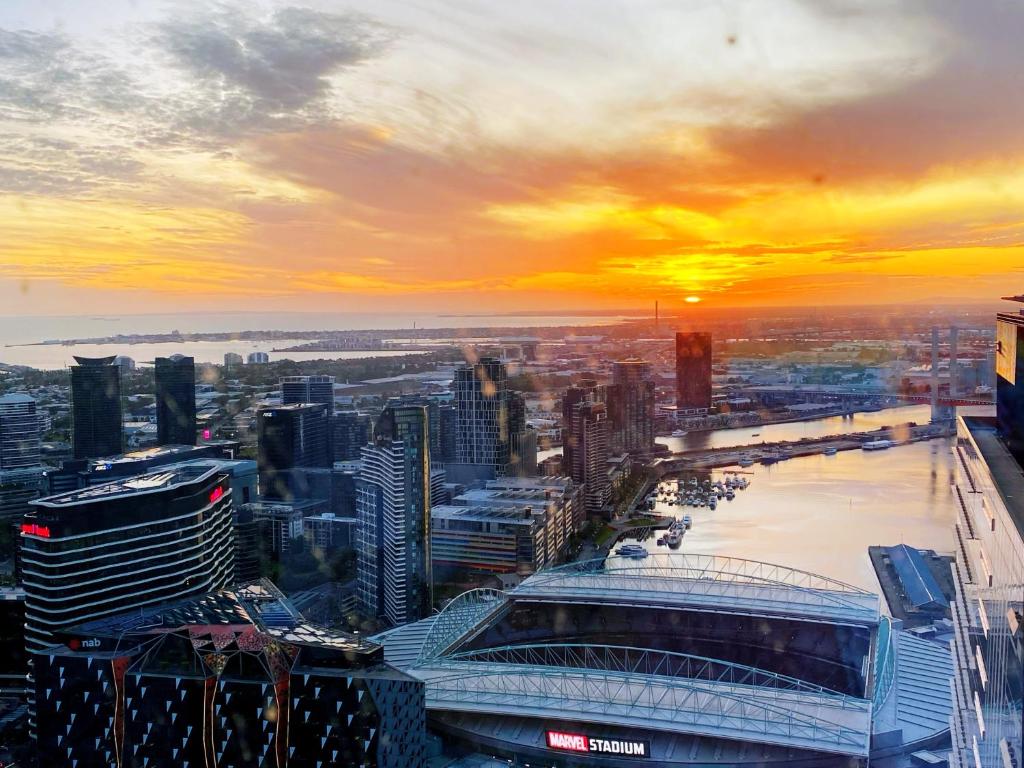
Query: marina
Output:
(821,513)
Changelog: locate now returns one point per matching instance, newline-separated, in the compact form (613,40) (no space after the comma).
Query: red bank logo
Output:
(216,494)
(577,742)
(31,529)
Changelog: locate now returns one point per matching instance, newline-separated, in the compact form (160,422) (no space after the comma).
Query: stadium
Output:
(676,660)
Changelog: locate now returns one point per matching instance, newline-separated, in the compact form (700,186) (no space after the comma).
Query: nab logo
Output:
(74,644)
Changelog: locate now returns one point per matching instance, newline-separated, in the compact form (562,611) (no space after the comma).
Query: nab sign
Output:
(578,742)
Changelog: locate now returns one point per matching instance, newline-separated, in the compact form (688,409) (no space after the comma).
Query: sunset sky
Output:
(473,155)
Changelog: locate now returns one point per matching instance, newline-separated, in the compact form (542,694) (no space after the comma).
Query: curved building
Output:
(141,541)
(676,660)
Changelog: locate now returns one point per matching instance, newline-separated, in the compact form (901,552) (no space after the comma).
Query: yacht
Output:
(679,433)
(632,550)
(877,445)
(831,451)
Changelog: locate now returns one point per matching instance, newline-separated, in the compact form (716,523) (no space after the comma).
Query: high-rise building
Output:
(96,407)
(290,436)
(19,432)
(522,438)
(448,429)
(481,401)
(258,358)
(585,450)
(142,541)
(176,400)
(230,678)
(351,432)
(308,389)
(693,371)
(393,508)
(489,420)
(21,473)
(988,684)
(232,360)
(631,406)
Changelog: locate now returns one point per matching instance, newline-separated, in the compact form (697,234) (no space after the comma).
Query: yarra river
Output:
(821,513)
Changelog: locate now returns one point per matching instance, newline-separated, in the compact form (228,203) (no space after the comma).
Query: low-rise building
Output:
(513,525)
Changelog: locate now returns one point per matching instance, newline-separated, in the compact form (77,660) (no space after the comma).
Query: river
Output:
(821,513)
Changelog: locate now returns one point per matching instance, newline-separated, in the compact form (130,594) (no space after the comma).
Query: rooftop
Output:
(169,477)
(1004,467)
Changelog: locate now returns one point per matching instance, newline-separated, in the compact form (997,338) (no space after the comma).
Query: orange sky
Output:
(386,156)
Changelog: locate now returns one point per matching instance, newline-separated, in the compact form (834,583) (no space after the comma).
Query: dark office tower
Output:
(988,645)
(481,401)
(585,443)
(308,389)
(448,429)
(351,432)
(631,407)
(176,400)
(236,679)
(289,436)
(522,439)
(693,371)
(112,548)
(393,508)
(96,407)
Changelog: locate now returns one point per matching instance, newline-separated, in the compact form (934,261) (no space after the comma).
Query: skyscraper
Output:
(19,432)
(488,423)
(176,400)
(522,438)
(631,406)
(393,508)
(96,407)
(290,436)
(352,431)
(105,550)
(693,371)
(308,389)
(585,429)
(988,646)
(21,473)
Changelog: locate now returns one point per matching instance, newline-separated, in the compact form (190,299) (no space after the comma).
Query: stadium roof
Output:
(705,582)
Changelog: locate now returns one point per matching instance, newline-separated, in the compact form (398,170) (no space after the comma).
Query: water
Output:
(28,330)
(770,433)
(59,356)
(821,513)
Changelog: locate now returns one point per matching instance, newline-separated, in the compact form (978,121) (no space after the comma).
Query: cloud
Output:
(245,70)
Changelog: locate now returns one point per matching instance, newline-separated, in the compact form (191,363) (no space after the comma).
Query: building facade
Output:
(585,449)
(631,406)
(988,685)
(308,389)
(21,473)
(481,402)
(96,411)
(693,371)
(290,436)
(175,378)
(142,541)
(232,678)
(352,431)
(393,510)
(512,525)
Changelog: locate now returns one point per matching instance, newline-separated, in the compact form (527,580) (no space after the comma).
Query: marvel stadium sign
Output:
(577,742)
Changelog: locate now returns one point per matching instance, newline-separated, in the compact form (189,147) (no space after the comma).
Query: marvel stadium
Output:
(676,660)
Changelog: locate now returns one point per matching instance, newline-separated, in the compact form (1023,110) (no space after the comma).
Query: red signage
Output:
(31,529)
(574,742)
(216,494)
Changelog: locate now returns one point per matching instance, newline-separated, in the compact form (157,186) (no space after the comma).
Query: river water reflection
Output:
(821,513)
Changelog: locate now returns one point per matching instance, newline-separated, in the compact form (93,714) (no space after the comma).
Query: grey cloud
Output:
(246,70)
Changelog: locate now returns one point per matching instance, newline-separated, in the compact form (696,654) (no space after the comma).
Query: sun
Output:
(692,299)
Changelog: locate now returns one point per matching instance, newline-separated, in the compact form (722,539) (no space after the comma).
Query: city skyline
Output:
(383,156)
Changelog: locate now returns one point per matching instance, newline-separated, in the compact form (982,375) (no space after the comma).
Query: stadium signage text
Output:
(578,742)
